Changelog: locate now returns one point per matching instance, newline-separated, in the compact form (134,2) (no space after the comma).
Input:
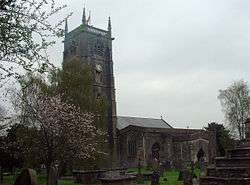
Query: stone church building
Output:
(130,137)
(154,138)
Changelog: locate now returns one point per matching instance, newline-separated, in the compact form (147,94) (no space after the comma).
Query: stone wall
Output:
(187,151)
(125,157)
(175,145)
(165,143)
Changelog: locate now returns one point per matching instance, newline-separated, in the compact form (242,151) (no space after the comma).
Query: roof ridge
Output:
(125,121)
(140,117)
(166,123)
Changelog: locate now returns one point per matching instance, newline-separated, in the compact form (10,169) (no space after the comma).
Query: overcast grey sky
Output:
(172,56)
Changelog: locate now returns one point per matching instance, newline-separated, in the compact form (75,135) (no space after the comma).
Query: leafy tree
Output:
(60,131)
(75,83)
(2,139)
(2,118)
(235,102)
(2,113)
(11,156)
(224,140)
(26,32)
(4,4)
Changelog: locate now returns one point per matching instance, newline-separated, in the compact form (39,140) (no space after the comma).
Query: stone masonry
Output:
(234,168)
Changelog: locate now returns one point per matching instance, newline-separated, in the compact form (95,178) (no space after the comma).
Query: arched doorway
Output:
(155,151)
(201,160)
(200,155)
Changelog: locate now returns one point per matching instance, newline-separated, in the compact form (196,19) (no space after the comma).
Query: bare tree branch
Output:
(235,102)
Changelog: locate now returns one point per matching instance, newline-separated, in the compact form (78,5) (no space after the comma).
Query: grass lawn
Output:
(41,180)
(171,177)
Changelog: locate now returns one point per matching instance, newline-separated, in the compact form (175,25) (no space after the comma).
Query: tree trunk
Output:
(49,162)
(47,173)
(1,175)
(48,166)
(240,133)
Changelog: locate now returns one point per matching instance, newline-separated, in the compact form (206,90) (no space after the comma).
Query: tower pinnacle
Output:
(109,26)
(66,27)
(84,16)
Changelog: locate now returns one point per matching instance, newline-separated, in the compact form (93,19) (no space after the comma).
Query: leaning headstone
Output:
(53,175)
(27,177)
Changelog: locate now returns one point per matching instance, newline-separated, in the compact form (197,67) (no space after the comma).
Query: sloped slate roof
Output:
(123,122)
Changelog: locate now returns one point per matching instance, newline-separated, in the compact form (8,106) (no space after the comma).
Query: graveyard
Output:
(168,178)
(60,76)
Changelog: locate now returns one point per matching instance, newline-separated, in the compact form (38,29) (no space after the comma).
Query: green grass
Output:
(41,180)
(8,180)
(197,172)
(67,182)
(171,176)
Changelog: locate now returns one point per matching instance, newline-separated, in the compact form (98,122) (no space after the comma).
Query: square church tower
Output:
(94,47)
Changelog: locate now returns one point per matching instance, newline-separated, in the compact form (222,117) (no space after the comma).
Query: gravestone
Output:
(53,175)
(27,177)
(166,165)
(156,172)
(195,181)
(122,180)
(185,176)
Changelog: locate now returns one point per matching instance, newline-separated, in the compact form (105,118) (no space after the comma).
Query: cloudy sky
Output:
(172,56)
